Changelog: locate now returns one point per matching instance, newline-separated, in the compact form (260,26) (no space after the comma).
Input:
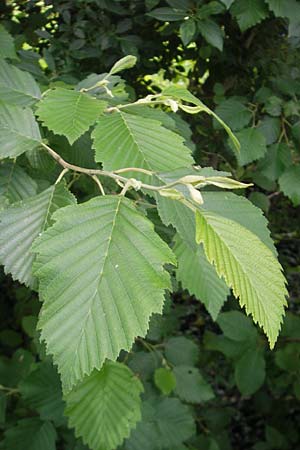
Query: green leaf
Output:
(290,184)
(237,326)
(181,351)
(253,145)
(276,160)
(32,434)
(212,33)
(91,314)
(198,276)
(15,184)
(21,223)
(239,209)
(273,106)
(285,8)
(187,31)
(16,86)
(122,64)
(234,113)
(105,406)
(236,253)
(226,204)
(168,14)
(191,387)
(270,128)
(42,391)
(249,12)
(19,131)
(250,372)
(68,112)
(164,380)
(165,424)
(7,49)
(125,140)
(260,200)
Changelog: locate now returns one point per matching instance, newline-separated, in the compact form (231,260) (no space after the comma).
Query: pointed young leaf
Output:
(15,184)
(105,406)
(16,86)
(101,278)
(7,48)
(126,140)
(124,63)
(19,131)
(21,223)
(236,253)
(68,112)
(200,278)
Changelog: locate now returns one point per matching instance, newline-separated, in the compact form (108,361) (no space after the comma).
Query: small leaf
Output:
(105,406)
(68,112)
(168,14)
(253,145)
(290,184)
(250,372)
(122,64)
(181,351)
(164,380)
(7,48)
(212,33)
(234,113)
(191,386)
(187,31)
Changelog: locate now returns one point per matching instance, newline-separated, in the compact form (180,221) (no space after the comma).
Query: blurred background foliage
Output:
(242,58)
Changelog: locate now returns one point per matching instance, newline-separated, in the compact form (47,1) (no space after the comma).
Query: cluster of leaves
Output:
(128,276)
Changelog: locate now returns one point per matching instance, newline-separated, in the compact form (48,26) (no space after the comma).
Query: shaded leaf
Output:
(105,406)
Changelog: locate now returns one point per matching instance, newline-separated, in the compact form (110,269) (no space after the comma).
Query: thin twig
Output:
(99,184)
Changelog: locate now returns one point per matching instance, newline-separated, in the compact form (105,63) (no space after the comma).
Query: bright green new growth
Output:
(235,252)
(105,406)
(101,278)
